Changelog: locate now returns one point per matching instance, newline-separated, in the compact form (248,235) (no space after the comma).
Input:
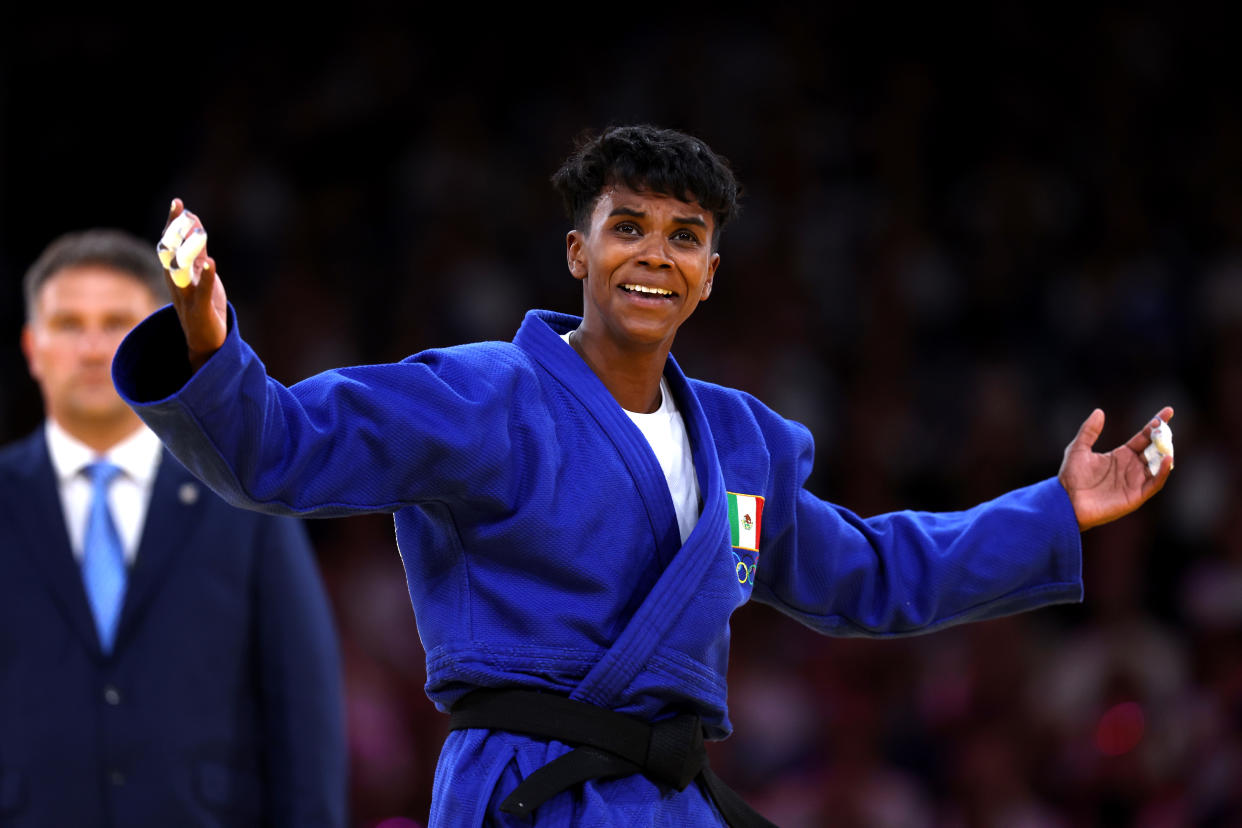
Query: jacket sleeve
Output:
(363,439)
(301,694)
(907,572)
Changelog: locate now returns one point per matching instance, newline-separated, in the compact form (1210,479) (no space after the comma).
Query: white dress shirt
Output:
(138,457)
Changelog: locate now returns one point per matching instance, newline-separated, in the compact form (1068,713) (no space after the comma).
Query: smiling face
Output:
(646,261)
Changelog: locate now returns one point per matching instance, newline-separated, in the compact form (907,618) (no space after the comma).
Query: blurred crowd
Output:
(954,244)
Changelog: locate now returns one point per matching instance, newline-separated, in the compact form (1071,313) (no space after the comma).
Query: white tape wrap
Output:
(190,248)
(180,245)
(1160,448)
(172,238)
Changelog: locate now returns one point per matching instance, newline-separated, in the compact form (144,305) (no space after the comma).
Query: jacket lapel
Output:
(685,565)
(33,503)
(176,508)
(632,650)
(540,337)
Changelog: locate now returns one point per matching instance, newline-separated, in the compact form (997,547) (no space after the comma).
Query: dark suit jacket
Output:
(221,702)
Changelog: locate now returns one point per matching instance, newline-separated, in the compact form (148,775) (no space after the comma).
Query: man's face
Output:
(81,314)
(646,261)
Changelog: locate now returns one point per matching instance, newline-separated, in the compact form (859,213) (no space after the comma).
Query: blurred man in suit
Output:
(165,659)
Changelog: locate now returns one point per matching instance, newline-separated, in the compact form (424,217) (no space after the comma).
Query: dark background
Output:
(959,236)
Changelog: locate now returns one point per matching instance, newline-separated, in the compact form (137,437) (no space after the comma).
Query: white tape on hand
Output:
(180,245)
(1160,448)
(172,238)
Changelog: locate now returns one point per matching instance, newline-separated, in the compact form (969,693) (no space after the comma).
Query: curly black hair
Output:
(645,157)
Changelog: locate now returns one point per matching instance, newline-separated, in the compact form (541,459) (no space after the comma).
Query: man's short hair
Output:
(113,249)
(645,157)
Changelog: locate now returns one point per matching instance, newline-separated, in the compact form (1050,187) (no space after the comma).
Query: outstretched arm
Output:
(1103,487)
(901,573)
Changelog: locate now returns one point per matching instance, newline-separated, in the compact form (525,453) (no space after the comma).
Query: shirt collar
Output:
(138,455)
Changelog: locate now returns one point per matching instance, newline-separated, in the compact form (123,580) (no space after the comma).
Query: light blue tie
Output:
(103,559)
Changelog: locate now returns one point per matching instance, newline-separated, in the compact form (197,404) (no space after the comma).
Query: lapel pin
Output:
(188,493)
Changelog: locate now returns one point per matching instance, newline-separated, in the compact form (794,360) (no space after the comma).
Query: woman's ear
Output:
(711,276)
(575,253)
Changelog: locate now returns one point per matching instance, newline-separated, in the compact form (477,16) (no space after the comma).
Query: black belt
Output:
(609,745)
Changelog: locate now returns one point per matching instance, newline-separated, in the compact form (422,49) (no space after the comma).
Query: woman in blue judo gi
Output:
(579,519)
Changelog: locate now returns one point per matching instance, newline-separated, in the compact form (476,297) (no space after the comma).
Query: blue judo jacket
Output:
(540,541)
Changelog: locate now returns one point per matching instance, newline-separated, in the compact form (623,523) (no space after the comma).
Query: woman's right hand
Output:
(201,305)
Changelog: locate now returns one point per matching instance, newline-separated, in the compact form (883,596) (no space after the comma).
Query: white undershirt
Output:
(665,431)
(138,457)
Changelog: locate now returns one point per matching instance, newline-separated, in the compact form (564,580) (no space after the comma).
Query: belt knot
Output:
(676,753)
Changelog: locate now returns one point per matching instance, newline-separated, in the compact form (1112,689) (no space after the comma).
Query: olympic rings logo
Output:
(745,573)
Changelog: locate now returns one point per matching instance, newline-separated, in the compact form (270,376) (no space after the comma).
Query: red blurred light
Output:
(1120,729)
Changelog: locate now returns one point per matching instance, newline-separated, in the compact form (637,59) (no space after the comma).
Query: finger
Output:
(1140,440)
(181,222)
(183,243)
(174,234)
(208,275)
(1161,477)
(189,251)
(182,277)
(1162,416)
(174,210)
(185,225)
(207,278)
(1090,430)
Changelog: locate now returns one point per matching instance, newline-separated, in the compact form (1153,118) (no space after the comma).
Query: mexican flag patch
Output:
(745,518)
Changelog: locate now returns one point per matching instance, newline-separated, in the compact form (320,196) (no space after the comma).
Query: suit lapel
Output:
(175,510)
(33,501)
